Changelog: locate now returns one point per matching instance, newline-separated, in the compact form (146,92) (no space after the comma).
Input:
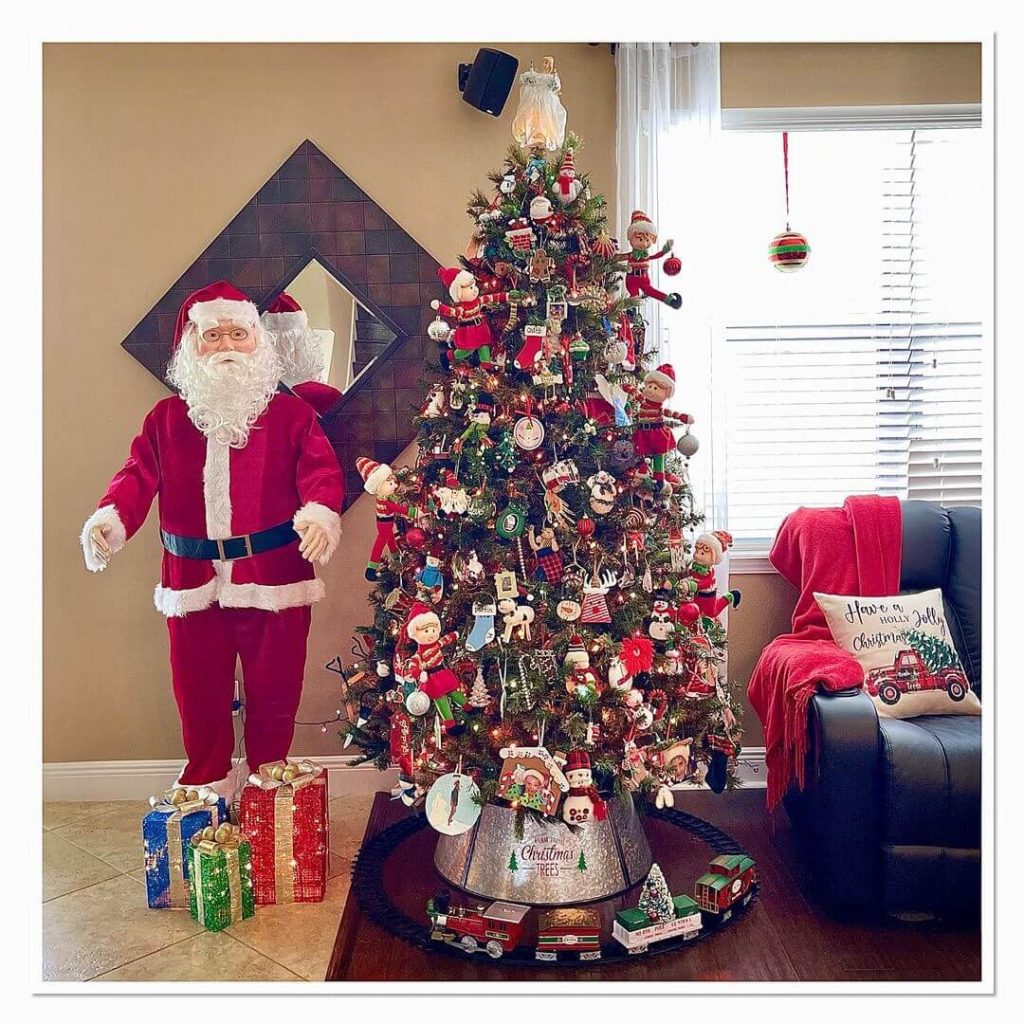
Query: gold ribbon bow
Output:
(228,838)
(176,805)
(287,777)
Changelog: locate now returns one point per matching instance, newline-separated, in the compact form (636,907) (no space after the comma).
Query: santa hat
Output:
(217,301)
(283,314)
(665,376)
(420,615)
(453,278)
(718,540)
(568,165)
(577,759)
(639,221)
(373,473)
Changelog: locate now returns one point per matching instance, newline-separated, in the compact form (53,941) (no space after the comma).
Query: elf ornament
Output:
(428,668)
(642,235)
(480,416)
(379,479)
(472,333)
(653,438)
(583,803)
(708,551)
(248,471)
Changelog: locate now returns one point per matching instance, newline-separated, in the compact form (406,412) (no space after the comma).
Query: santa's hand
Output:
(99,543)
(314,542)
(435,304)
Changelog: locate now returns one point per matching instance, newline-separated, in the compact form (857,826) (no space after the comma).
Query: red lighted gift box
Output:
(284,813)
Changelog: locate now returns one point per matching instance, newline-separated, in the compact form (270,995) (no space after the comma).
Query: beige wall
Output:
(148,151)
(849,74)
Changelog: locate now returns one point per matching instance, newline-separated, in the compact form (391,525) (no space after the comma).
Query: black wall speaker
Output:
(486,83)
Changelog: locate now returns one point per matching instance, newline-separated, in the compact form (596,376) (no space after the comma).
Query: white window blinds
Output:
(863,372)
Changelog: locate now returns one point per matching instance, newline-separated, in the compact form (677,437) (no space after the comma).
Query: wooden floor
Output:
(784,936)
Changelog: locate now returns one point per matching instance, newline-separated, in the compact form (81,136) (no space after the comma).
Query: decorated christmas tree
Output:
(545,549)
(655,898)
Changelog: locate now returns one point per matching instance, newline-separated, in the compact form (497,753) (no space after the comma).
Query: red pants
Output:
(637,283)
(384,541)
(204,647)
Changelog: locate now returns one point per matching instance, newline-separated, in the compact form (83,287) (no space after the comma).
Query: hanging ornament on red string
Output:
(788,250)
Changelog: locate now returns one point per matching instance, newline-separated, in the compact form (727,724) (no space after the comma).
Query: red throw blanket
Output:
(854,550)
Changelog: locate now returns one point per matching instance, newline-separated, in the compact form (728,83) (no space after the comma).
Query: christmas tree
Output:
(655,898)
(935,652)
(567,573)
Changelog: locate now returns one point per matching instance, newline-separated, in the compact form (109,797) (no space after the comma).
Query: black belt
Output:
(469,323)
(649,426)
(230,548)
(636,273)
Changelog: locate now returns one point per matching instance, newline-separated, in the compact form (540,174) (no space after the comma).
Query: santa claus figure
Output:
(582,803)
(708,551)
(300,353)
(250,496)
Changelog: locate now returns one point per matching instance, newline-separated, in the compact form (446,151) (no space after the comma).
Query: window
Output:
(862,372)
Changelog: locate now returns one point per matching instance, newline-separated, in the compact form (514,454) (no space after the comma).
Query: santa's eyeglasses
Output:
(212,336)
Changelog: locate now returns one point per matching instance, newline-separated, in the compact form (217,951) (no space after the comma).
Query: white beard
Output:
(301,355)
(225,392)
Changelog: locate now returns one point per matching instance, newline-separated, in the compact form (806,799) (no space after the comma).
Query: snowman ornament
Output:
(583,803)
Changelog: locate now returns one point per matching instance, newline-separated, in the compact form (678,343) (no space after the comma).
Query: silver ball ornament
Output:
(687,445)
(439,330)
(417,703)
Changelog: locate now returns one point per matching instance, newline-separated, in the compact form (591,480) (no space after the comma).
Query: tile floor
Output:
(97,927)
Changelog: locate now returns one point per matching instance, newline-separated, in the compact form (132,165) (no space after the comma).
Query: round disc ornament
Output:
(622,454)
(452,806)
(568,610)
(528,433)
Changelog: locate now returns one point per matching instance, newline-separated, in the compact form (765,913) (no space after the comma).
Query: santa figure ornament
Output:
(300,353)
(472,333)
(583,803)
(250,496)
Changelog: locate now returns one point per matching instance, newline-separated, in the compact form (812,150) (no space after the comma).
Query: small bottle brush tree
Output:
(655,898)
(545,422)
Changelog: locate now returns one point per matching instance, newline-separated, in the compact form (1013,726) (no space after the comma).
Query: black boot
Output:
(716,773)
(674,299)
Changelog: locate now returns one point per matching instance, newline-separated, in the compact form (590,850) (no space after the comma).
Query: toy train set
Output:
(574,933)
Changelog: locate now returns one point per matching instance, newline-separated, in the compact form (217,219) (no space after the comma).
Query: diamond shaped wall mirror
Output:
(364,281)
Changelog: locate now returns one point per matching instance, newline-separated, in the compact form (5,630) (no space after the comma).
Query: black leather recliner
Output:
(891,812)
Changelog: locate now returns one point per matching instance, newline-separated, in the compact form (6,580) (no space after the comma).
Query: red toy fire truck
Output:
(494,929)
(909,674)
(728,881)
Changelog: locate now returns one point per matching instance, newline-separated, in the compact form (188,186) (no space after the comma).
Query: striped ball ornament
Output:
(788,251)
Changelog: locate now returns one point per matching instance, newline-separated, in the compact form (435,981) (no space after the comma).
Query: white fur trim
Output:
(105,516)
(376,477)
(223,309)
(461,278)
(175,603)
(663,379)
(285,321)
(324,517)
(641,225)
(217,490)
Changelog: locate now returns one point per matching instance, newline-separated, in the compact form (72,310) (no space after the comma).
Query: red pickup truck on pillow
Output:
(909,674)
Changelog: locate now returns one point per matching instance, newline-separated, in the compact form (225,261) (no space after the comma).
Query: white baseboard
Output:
(138,780)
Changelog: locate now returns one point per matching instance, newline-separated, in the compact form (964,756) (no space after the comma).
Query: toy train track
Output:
(368,885)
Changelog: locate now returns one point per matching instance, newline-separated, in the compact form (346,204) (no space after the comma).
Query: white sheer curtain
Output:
(668,112)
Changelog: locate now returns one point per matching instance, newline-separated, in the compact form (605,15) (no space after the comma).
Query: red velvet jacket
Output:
(317,394)
(287,471)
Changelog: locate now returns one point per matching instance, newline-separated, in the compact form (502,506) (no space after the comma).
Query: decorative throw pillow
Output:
(904,645)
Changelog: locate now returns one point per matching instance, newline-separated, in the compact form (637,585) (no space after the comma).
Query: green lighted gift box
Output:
(220,884)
